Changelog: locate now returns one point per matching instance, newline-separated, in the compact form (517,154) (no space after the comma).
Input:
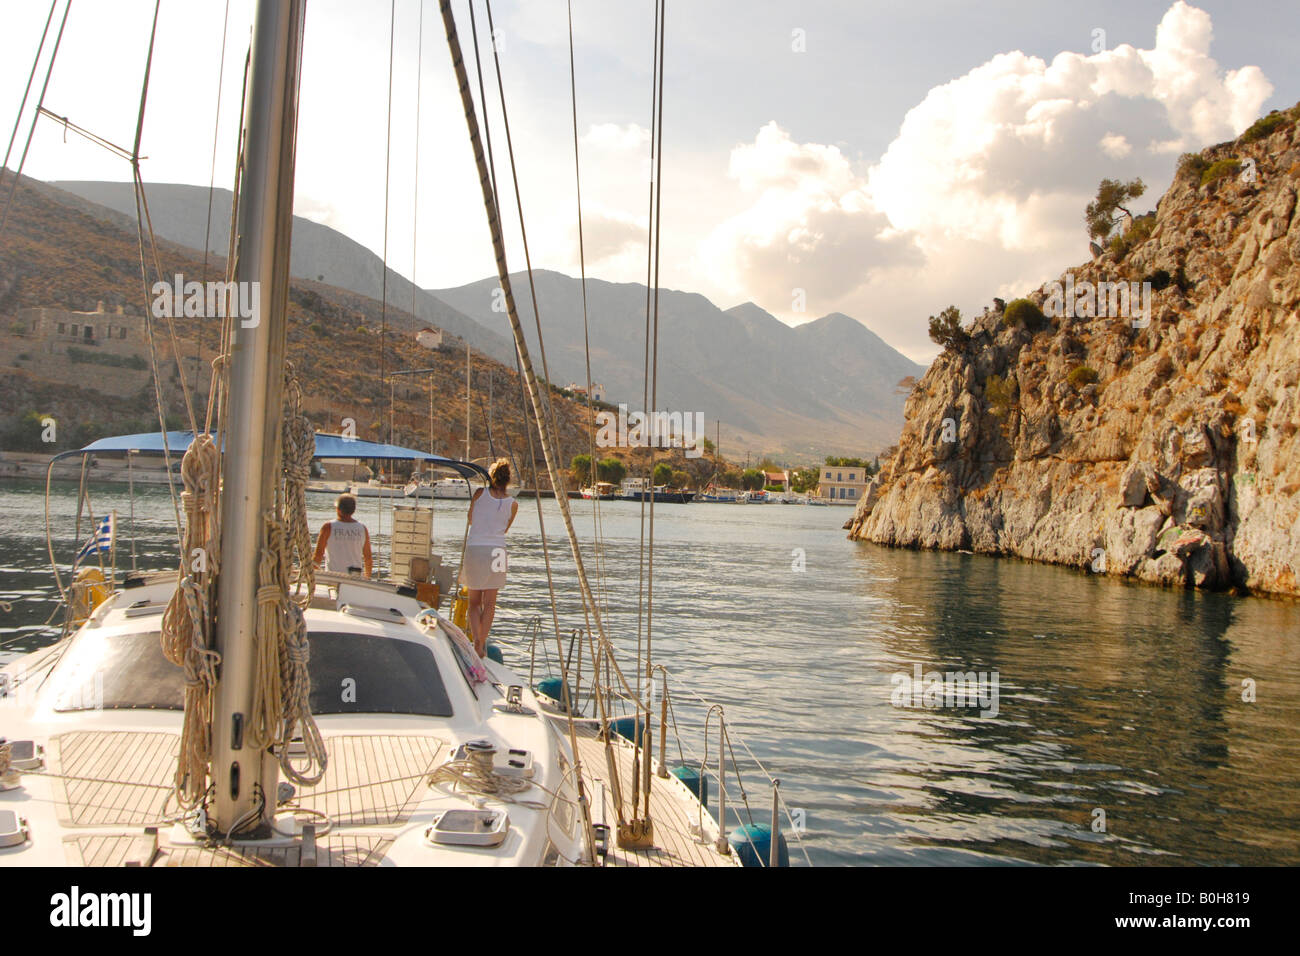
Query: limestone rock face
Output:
(1180,463)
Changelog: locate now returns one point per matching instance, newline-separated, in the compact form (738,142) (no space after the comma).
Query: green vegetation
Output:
(1137,233)
(1266,125)
(580,469)
(87,357)
(1000,393)
(612,470)
(804,479)
(1159,280)
(663,474)
(751,479)
(1101,214)
(1024,312)
(1192,166)
(1220,170)
(946,330)
(1082,375)
(846,462)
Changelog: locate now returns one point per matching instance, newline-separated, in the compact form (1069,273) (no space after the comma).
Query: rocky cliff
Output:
(1157,445)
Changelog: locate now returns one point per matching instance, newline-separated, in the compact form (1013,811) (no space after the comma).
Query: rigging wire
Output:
(18,117)
(388,162)
(645,399)
(144,273)
(212,180)
(40,101)
(597,549)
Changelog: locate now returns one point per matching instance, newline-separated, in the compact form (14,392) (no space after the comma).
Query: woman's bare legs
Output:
(482,609)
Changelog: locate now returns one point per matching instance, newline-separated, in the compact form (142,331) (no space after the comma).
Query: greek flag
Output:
(102,540)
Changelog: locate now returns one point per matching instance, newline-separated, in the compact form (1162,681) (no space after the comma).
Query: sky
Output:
(882,159)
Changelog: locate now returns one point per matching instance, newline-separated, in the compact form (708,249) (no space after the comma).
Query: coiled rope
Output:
(282,700)
(187,624)
(474,773)
(6,755)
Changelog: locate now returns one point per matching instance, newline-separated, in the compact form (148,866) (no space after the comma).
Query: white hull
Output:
(107,772)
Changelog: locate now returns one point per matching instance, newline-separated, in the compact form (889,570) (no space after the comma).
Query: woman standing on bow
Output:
(491,512)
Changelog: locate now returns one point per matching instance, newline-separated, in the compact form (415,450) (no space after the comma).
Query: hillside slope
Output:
(828,385)
(58,252)
(180,213)
(1179,464)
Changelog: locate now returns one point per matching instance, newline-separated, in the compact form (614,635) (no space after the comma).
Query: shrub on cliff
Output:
(1192,166)
(946,330)
(1023,312)
(1220,169)
(1081,375)
(1265,126)
(1137,234)
(1000,393)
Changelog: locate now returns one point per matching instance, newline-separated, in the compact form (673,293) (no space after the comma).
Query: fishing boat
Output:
(722,495)
(602,490)
(640,489)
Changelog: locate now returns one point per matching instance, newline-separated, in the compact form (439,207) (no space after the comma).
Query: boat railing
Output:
(613,702)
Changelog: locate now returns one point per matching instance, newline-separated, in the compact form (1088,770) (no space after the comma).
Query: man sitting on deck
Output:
(345,543)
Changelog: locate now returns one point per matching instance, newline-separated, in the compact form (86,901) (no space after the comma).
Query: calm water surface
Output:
(1112,696)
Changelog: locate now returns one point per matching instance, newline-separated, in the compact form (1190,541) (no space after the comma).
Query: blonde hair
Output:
(499,473)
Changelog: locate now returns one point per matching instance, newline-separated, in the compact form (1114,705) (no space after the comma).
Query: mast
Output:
(467,373)
(245,778)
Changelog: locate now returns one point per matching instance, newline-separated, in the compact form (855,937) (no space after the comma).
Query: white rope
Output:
(187,624)
(474,773)
(282,700)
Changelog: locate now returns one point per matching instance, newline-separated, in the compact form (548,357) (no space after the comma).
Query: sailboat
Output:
(386,740)
(247,709)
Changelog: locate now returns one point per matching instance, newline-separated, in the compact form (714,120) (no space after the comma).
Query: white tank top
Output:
(345,546)
(491,515)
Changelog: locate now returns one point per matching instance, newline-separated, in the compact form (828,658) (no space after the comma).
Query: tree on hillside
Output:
(1111,196)
(663,473)
(580,468)
(751,479)
(905,385)
(946,330)
(612,470)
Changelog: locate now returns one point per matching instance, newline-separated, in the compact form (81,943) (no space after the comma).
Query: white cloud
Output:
(811,224)
(612,136)
(1115,146)
(987,179)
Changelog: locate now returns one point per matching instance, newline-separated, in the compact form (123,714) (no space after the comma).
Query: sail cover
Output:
(327,446)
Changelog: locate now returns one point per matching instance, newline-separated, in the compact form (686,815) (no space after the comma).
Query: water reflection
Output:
(1113,697)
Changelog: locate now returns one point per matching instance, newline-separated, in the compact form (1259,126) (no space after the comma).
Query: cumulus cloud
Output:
(985,183)
(811,224)
(612,136)
(977,154)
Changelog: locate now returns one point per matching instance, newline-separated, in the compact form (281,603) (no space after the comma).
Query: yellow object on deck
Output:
(89,591)
(460,610)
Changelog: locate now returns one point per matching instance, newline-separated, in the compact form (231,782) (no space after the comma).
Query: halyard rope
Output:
(187,624)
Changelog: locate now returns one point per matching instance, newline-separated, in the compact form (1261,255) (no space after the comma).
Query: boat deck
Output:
(673,810)
(123,779)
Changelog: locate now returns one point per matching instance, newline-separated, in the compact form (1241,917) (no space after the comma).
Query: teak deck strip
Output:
(672,813)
